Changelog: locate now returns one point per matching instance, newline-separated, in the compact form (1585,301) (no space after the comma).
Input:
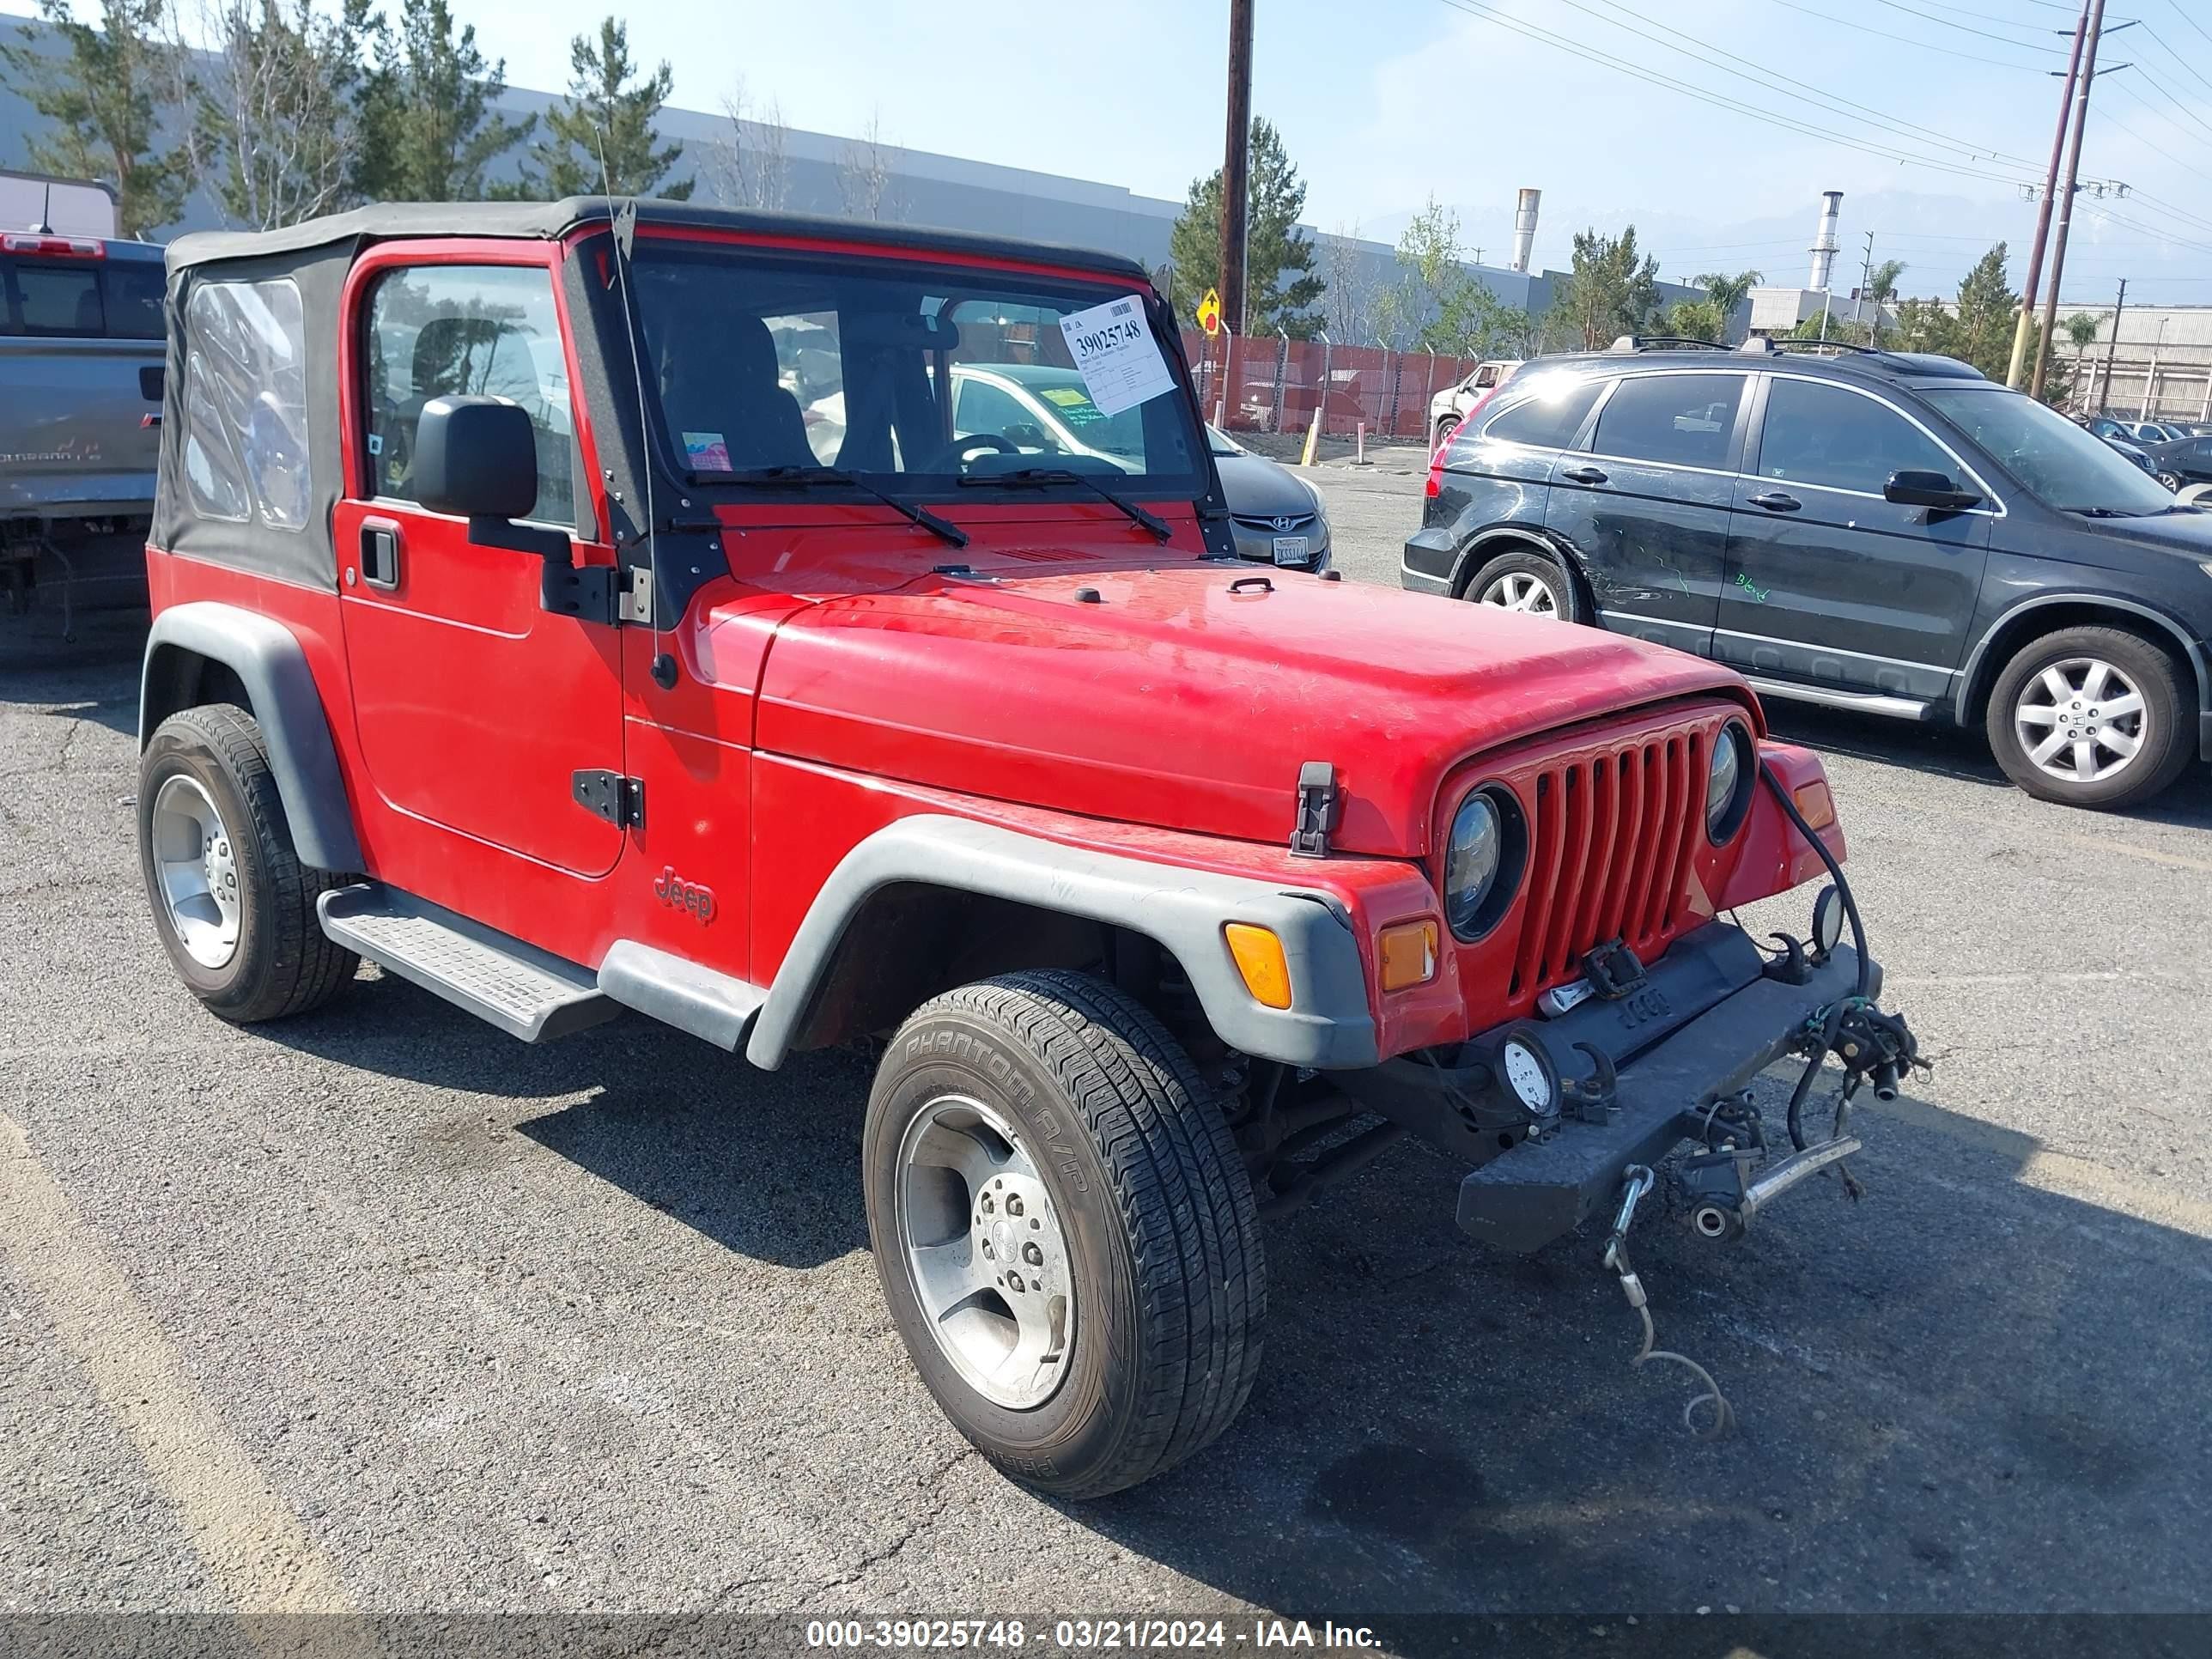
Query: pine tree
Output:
(428,129)
(1281,287)
(1610,291)
(103,99)
(603,112)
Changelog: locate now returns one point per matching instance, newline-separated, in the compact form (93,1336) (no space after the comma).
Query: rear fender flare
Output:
(271,663)
(1488,543)
(1327,1026)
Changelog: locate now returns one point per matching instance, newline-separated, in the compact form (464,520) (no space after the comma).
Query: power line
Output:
(2176,56)
(1545,36)
(2187,19)
(1897,40)
(1967,29)
(1777,82)
(2166,92)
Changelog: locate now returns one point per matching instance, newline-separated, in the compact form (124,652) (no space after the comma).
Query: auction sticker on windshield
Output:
(1116,355)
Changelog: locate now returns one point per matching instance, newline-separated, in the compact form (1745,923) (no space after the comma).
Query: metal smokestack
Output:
(1824,238)
(1524,228)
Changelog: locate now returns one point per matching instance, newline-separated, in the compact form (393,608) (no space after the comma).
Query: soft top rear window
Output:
(915,377)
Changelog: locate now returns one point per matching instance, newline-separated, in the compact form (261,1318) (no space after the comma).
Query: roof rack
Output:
(1661,343)
(1758,346)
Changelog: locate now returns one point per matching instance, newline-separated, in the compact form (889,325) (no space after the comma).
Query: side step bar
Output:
(528,993)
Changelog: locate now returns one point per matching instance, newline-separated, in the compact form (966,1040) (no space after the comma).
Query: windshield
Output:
(913,377)
(2068,469)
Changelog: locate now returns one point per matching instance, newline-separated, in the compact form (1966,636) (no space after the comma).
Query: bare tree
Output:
(865,182)
(1351,304)
(274,132)
(751,167)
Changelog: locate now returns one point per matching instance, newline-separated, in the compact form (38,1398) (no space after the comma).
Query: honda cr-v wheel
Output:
(1065,1233)
(1532,583)
(2090,717)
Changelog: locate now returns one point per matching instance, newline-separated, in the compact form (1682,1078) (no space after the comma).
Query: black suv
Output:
(1878,531)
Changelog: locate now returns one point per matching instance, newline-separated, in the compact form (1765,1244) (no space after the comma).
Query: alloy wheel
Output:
(2081,720)
(1517,590)
(985,1251)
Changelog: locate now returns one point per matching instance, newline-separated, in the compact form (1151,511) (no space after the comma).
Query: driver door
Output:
(474,707)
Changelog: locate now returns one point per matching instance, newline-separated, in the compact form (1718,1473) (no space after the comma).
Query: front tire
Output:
(2090,717)
(1064,1231)
(1445,427)
(234,907)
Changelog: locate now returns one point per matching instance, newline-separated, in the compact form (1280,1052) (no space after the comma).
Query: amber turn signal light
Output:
(1259,956)
(1818,806)
(1407,955)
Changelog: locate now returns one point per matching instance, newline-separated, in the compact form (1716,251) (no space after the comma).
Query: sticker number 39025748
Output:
(1116,355)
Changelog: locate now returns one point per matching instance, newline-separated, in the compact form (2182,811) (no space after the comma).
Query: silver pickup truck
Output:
(81,369)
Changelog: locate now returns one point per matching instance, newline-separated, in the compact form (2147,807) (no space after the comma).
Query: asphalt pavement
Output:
(378,1309)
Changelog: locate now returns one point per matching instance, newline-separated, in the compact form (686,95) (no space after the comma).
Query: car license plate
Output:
(1290,549)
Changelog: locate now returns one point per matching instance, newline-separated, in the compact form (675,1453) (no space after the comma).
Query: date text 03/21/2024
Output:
(1089,1635)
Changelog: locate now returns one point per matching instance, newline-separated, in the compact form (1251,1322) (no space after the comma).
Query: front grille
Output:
(1294,523)
(1610,837)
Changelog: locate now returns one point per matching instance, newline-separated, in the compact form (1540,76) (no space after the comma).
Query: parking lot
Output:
(380,1309)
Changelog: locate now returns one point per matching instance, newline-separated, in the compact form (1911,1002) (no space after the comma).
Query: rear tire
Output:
(1532,583)
(2091,717)
(234,907)
(1134,1337)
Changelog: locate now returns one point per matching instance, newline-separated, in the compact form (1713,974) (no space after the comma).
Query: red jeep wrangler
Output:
(574,609)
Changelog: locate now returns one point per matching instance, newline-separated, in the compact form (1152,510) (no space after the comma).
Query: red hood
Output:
(1174,701)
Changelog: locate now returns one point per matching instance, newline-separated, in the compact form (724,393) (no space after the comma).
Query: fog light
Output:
(1258,957)
(1406,953)
(1530,1075)
(1827,922)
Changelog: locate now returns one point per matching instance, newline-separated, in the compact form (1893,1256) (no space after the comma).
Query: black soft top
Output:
(549,221)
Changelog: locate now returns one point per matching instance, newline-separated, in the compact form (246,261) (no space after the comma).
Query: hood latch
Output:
(1317,807)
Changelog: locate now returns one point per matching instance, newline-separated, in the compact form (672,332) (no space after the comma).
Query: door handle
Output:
(380,553)
(1583,474)
(1775,501)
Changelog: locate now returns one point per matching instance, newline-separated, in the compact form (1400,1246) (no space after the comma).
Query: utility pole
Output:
(2043,211)
(2105,398)
(1236,159)
(2089,78)
(1866,286)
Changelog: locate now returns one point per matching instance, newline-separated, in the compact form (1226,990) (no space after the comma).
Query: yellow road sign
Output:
(1209,312)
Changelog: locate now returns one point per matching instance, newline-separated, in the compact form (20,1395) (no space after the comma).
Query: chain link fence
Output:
(1276,385)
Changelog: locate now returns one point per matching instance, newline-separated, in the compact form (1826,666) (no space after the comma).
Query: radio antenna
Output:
(624,223)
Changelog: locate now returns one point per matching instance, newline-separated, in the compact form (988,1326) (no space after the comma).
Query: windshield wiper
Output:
(785,478)
(2113,513)
(1162,531)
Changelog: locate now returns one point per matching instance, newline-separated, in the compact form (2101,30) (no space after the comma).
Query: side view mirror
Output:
(1911,488)
(476,458)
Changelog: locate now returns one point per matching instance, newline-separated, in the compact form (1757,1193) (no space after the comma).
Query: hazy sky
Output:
(1384,101)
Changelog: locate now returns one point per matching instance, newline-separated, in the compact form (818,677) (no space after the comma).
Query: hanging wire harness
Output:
(1871,1046)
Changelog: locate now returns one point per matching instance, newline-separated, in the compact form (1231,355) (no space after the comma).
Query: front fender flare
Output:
(269,662)
(1327,1026)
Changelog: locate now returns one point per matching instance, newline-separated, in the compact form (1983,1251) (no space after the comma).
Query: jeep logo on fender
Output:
(678,894)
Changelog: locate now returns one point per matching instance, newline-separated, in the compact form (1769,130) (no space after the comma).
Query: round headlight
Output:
(1470,861)
(1728,792)
(1827,922)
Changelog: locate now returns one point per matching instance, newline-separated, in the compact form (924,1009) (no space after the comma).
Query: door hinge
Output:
(1318,803)
(583,590)
(633,601)
(618,800)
